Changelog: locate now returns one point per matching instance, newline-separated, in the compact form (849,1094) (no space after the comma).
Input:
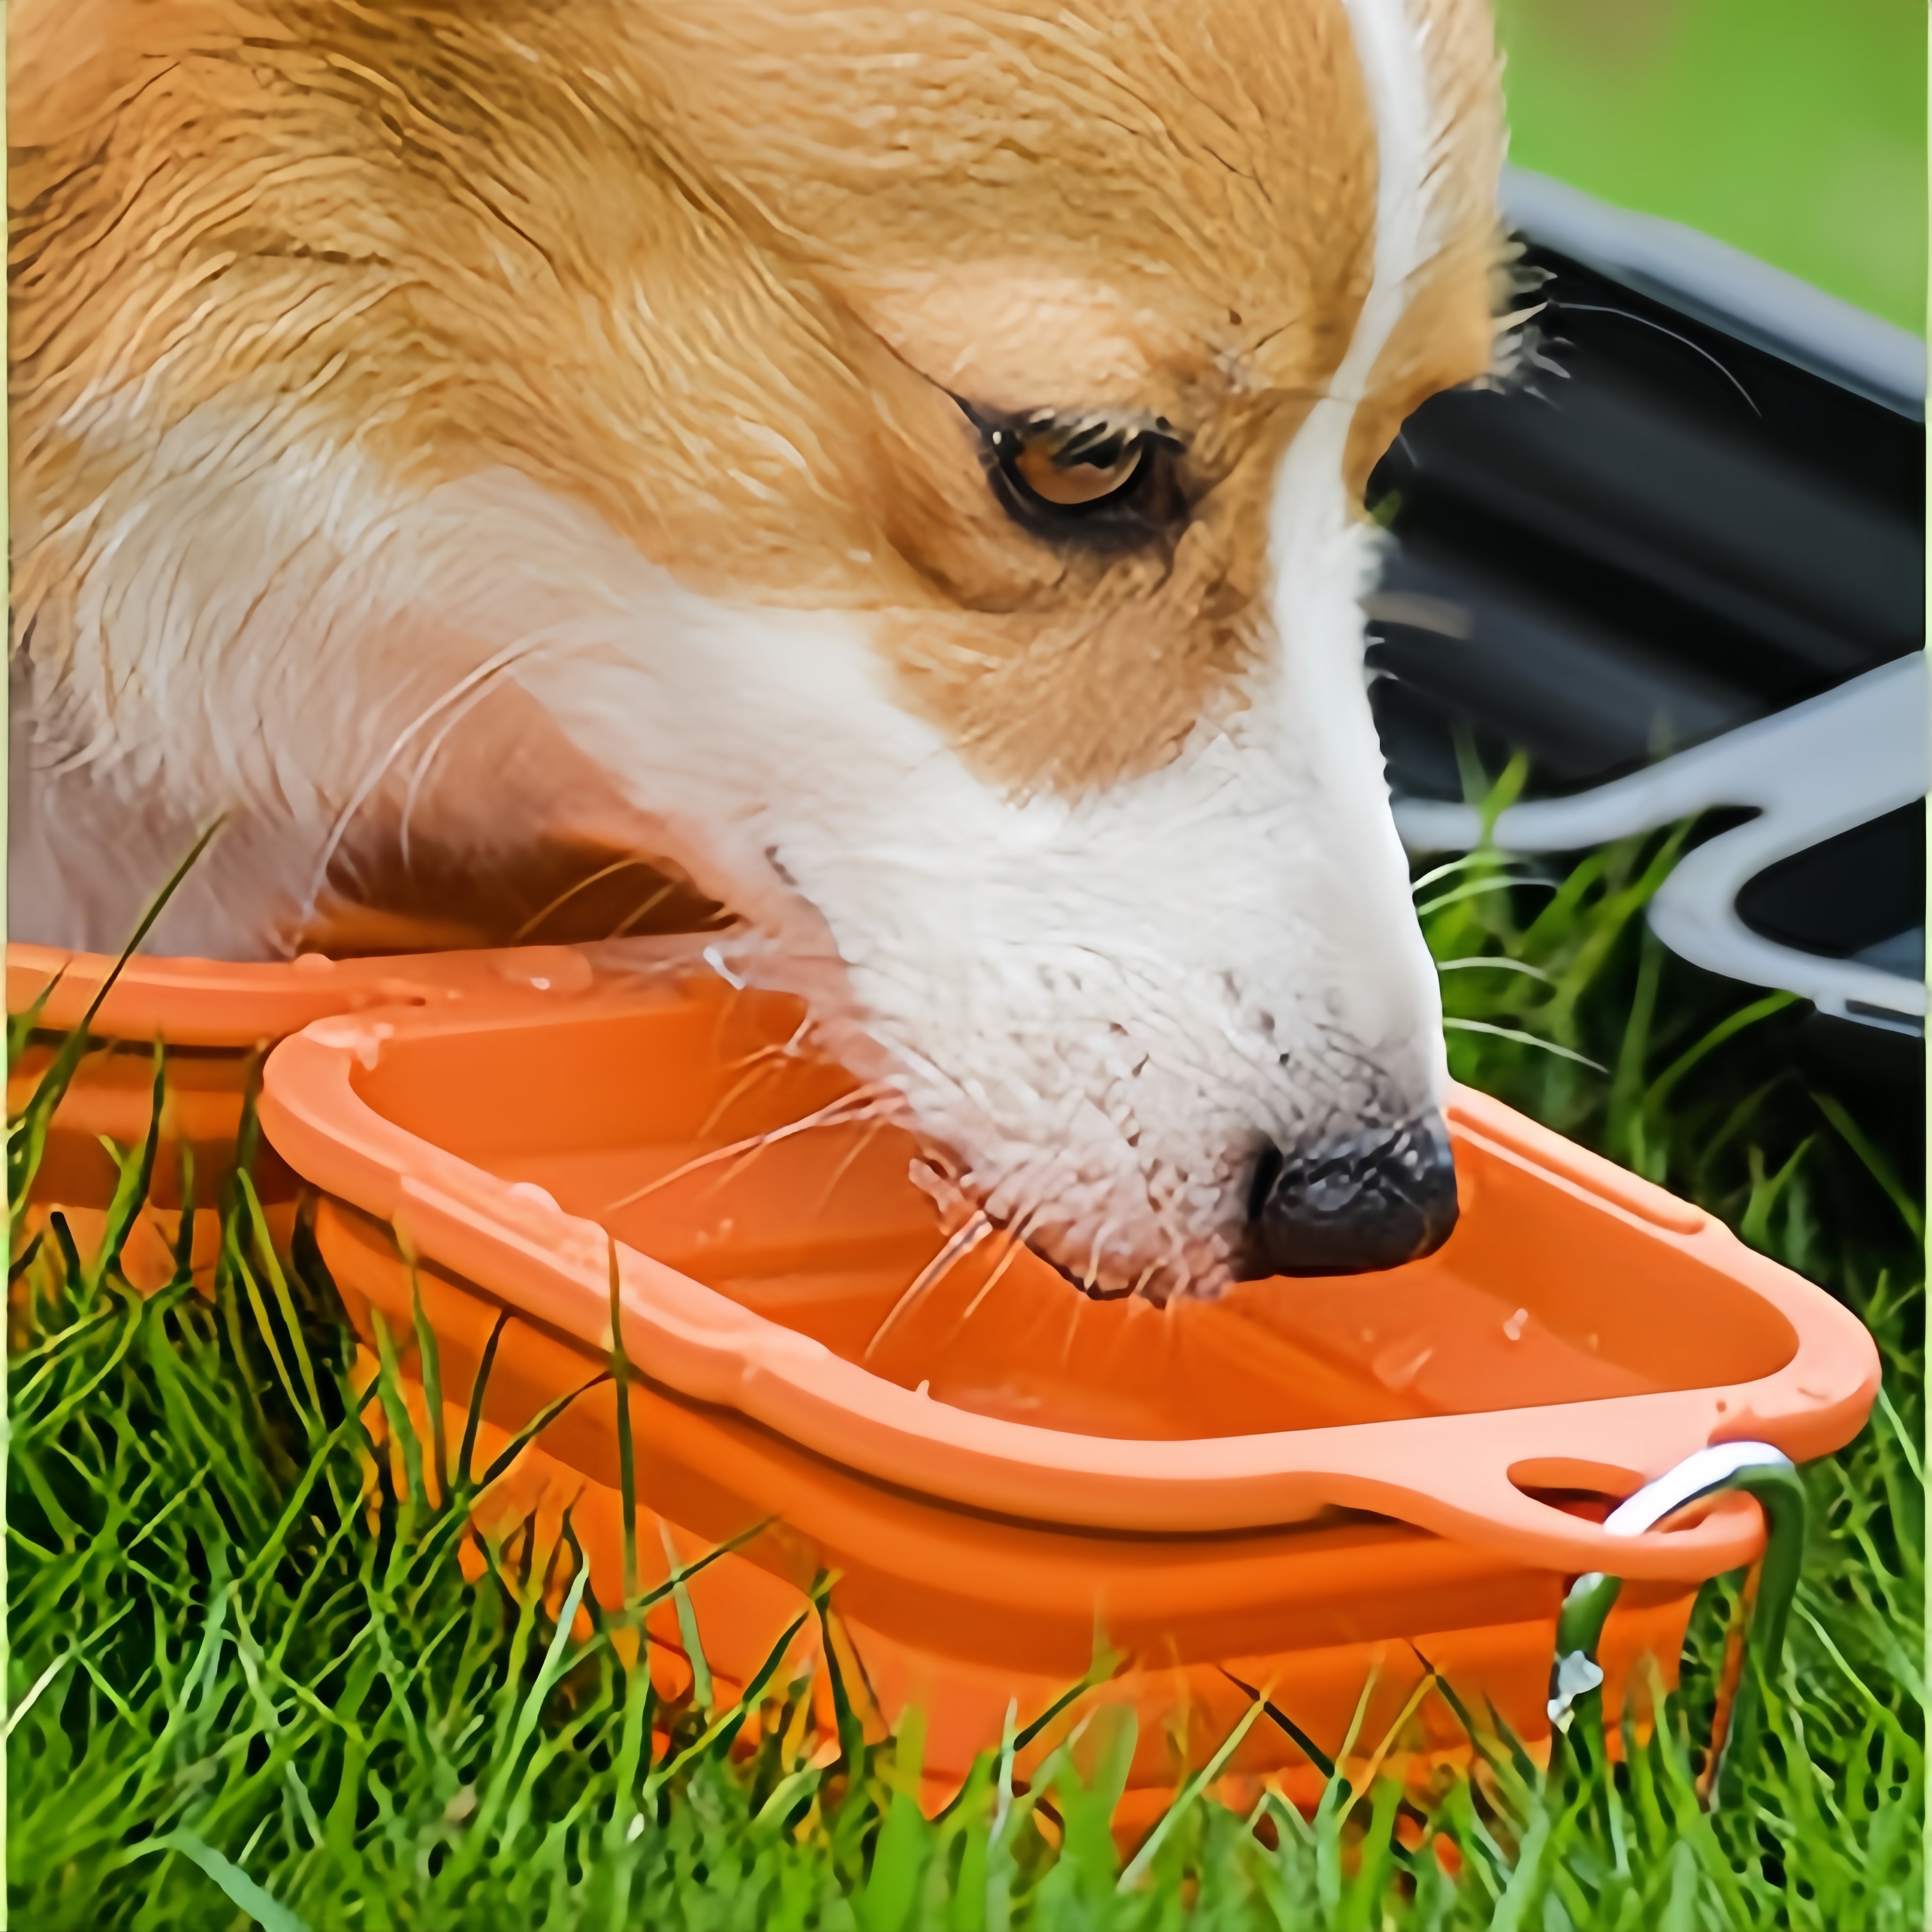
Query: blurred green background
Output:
(1794,129)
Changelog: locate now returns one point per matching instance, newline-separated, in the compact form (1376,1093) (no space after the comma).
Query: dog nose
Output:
(1355,1203)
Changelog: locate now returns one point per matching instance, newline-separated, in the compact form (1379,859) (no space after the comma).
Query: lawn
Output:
(1793,130)
(250,1682)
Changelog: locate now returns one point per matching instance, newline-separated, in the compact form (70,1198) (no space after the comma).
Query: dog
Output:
(882,481)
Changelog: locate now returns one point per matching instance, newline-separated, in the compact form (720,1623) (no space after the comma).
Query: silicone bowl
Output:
(1300,1485)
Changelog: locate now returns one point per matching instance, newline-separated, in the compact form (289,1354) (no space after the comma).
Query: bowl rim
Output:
(1461,1476)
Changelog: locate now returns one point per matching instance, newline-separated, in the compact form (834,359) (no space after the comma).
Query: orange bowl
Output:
(1298,1484)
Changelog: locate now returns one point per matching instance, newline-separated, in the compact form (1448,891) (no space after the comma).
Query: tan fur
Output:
(709,267)
(1447,333)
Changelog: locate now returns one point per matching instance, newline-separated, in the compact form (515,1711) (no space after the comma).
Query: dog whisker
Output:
(754,1073)
(472,685)
(569,892)
(870,1113)
(413,790)
(845,1167)
(1627,315)
(1015,1232)
(649,906)
(960,1244)
(755,1065)
(837,1113)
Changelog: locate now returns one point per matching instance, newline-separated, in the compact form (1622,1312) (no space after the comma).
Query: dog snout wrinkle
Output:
(1355,1203)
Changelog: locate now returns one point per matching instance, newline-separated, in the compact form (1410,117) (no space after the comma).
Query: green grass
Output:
(248,1679)
(1792,130)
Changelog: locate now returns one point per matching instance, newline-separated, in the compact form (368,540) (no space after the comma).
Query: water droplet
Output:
(1398,1364)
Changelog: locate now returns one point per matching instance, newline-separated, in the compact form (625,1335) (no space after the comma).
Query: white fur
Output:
(1324,560)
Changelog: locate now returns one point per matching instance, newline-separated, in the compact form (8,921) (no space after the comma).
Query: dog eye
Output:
(1090,479)
(1073,472)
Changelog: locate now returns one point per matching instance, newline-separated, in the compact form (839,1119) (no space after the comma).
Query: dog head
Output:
(912,456)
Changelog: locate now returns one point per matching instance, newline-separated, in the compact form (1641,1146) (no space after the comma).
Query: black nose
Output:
(1355,1203)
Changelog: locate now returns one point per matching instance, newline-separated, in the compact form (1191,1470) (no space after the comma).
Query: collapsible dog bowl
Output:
(1300,1487)
(218,1018)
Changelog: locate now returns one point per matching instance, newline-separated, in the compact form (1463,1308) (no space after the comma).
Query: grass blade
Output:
(26,1139)
(1189,1796)
(241,1891)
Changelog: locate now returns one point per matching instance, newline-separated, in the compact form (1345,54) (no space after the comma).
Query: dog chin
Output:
(1100,1230)
(1057,1167)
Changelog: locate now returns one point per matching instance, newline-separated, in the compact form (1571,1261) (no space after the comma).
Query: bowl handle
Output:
(1697,1475)
(1576,1678)
(1480,1498)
